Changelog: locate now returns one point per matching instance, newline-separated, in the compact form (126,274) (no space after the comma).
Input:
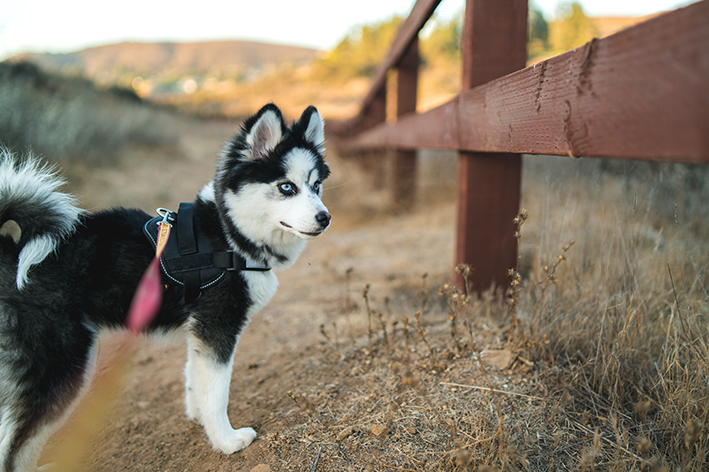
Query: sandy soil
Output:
(142,425)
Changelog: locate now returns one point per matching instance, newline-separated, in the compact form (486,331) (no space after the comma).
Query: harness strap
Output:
(230,260)
(185,230)
(189,259)
(187,245)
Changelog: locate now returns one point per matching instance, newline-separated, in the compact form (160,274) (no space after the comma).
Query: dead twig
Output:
(488,389)
(317,459)
(397,468)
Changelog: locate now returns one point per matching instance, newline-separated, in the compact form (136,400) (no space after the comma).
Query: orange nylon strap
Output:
(148,295)
(163,236)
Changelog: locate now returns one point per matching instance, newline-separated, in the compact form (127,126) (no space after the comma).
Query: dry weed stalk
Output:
(333,342)
(516,278)
(422,332)
(370,331)
(424,293)
(383,326)
(550,278)
(349,306)
(405,321)
(456,302)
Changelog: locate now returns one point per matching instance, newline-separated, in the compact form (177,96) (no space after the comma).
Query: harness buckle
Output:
(167,216)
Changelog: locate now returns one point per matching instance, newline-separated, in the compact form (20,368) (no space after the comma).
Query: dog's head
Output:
(269,180)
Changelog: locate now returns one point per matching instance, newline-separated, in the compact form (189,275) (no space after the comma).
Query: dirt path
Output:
(148,430)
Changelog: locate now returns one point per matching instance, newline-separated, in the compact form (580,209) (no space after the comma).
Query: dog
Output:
(65,275)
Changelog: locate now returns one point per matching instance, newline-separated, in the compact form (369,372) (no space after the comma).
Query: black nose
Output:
(323,218)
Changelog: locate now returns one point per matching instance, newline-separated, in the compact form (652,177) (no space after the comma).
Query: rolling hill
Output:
(121,63)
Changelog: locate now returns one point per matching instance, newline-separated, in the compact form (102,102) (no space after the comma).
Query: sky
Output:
(71,25)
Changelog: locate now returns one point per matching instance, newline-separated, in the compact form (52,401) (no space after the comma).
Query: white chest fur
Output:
(262,287)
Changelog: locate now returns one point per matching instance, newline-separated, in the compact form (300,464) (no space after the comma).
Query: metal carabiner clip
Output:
(167,216)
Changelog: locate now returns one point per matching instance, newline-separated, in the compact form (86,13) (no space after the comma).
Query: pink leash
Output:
(148,295)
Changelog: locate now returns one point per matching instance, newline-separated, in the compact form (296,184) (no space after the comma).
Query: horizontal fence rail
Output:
(642,93)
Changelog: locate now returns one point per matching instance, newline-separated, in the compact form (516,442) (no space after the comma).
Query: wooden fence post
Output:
(494,44)
(404,161)
(373,160)
(376,114)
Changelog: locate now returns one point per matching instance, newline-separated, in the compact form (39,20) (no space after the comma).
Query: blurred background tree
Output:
(365,47)
(361,51)
(571,28)
(442,45)
(537,32)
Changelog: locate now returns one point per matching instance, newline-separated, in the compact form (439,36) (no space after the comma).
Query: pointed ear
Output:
(314,128)
(266,132)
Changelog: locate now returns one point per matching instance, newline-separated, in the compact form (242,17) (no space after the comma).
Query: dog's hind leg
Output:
(207,397)
(36,408)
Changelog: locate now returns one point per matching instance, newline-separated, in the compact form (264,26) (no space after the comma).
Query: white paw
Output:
(235,440)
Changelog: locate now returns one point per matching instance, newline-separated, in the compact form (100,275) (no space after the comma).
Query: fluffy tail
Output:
(32,211)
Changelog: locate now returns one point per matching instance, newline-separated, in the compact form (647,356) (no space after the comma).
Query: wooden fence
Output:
(642,93)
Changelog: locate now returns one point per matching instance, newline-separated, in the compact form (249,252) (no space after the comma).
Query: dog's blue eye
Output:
(287,188)
(316,187)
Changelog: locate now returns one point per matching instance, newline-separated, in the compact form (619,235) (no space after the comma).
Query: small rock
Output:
(500,358)
(348,431)
(379,430)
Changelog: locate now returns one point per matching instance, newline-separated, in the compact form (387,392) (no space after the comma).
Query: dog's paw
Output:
(235,441)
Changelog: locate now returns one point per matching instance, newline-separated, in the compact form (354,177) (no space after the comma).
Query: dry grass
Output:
(69,120)
(606,344)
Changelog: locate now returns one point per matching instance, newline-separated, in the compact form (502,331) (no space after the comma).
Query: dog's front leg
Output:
(191,382)
(207,397)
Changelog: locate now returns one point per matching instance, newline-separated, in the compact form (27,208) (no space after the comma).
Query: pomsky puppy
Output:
(65,275)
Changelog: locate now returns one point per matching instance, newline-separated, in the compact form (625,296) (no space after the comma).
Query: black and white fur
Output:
(65,275)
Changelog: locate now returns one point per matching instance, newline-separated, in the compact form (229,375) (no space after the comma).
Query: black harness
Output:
(189,258)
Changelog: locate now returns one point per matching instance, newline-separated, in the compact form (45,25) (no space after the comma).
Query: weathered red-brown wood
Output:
(436,128)
(407,80)
(639,94)
(494,40)
(488,200)
(404,161)
(408,33)
(494,44)
(370,159)
(376,112)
